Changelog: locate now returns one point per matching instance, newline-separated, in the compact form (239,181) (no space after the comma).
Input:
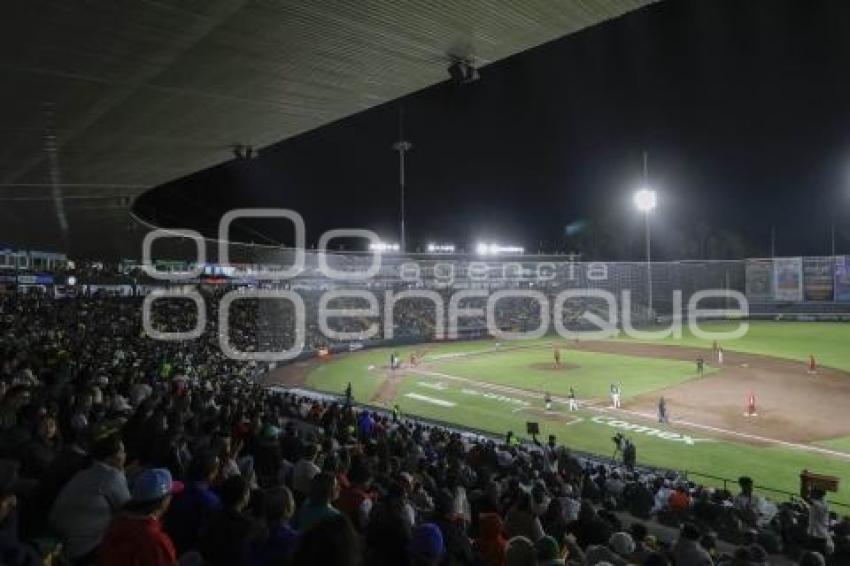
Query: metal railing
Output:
(726,481)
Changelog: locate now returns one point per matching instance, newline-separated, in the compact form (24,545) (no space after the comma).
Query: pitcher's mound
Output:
(550,366)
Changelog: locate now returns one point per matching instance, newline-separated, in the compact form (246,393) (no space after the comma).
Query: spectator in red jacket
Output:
(680,500)
(355,500)
(492,543)
(135,537)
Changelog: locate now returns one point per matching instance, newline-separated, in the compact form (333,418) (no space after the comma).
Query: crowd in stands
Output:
(414,317)
(119,450)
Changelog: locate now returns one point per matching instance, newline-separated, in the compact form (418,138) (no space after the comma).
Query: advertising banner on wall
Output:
(818,278)
(842,279)
(788,278)
(759,274)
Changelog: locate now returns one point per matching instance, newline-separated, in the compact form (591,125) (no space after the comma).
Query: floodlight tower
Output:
(402,147)
(833,238)
(646,200)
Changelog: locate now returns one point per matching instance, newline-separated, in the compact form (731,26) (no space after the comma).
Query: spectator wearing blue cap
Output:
(135,536)
(426,545)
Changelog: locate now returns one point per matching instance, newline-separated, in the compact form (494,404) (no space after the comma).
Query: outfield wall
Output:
(809,288)
(813,286)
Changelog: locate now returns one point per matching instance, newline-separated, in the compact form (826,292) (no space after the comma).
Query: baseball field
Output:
(802,421)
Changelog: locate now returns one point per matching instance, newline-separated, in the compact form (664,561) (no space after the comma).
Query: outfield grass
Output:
(519,364)
(828,341)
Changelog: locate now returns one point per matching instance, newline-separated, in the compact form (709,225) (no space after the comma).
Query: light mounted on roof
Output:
(463,71)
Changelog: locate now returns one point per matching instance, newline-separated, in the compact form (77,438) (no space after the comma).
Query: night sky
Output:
(743,106)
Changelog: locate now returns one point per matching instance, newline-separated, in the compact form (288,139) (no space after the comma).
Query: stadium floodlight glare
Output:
(383,247)
(441,248)
(646,200)
(484,248)
(510,250)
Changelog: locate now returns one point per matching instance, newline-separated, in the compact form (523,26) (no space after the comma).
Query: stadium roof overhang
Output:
(102,100)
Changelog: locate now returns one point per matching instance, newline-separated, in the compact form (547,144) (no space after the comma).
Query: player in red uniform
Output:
(813,365)
(751,406)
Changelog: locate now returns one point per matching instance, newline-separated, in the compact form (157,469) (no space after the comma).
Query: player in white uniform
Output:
(547,398)
(615,396)
(572,400)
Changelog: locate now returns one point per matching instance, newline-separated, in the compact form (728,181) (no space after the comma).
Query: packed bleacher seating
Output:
(116,449)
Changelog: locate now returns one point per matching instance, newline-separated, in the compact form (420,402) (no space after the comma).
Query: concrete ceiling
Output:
(102,99)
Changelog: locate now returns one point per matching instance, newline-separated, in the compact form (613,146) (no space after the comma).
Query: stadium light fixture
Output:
(463,71)
(441,248)
(383,247)
(484,248)
(646,200)
(516,250)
